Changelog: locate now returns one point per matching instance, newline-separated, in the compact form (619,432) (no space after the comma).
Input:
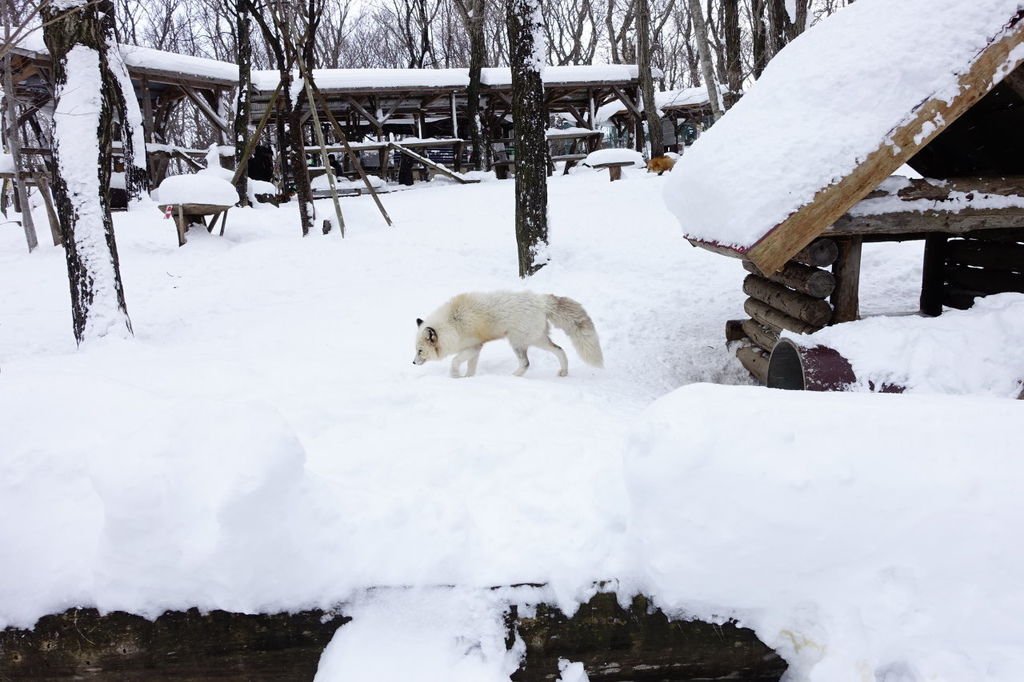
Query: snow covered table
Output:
(190,198)
(614,160)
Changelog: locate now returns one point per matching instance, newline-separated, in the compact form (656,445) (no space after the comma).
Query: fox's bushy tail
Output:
(571,318)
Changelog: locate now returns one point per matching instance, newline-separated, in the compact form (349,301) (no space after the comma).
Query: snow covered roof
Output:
(559,75)
(835,112)
(150,60)
(685,97)
(495,77)
(373,79)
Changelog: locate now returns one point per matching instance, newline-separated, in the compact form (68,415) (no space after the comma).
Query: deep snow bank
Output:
(861,536)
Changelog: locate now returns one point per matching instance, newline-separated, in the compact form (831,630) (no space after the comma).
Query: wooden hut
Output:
(796,177)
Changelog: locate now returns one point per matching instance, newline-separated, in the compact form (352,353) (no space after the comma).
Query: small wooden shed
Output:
(797,176)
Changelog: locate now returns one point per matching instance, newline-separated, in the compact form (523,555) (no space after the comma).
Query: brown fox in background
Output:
(660,164)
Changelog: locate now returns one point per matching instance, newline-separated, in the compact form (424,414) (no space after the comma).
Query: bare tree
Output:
(526,53)
(706,67)
(643,43)
(473,14)
(85,100)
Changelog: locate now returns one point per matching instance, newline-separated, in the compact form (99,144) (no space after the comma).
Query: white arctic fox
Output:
(464,324)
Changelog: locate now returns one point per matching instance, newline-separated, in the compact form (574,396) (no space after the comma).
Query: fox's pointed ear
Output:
(419,322)
(431,335)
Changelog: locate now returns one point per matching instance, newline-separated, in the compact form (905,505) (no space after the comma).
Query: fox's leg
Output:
(524,362)
(474,355)
(469,355)
(550,346)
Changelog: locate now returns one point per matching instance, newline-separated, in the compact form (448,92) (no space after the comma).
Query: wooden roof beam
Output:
(931,117)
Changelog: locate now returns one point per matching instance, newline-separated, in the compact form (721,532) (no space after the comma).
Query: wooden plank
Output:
(931,221)
(801,306)
(319,132)
(250,144)
(458,177)
(633,109)
(51,213)
(205,107)
(772,251)
(846,297)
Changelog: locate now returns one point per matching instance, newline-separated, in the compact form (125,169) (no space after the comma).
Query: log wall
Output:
(638,642)
(794,298)
(958,271)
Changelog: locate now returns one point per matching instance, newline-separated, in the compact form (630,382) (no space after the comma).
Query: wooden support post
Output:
(180,223)
(14,142)
(319,132)
(455,120)
(250,144)
(51,213)
(353,157)
(933,274)
(846,297)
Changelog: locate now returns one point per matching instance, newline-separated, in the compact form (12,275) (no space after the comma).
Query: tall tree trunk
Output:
(529,114)
(643,53)
(733,64)
(759,35)
(243,104)
(297,160)
(77,36)
(700,32)
(472,12)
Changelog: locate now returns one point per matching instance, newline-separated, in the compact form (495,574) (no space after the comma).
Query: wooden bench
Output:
(187,214)
(614,168)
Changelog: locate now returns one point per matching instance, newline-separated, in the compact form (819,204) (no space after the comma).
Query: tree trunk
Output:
(759,35)
(733,63)
(243,107)
(473,17)
(526,56)
(85,94)
(643,53)
(297,161)
(700,31)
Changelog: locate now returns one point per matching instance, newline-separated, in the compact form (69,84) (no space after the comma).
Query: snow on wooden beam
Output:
(929,119)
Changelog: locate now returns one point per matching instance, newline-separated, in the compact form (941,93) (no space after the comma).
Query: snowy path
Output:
(265,441)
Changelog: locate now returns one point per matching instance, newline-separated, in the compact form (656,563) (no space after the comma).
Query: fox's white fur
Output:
(464,324)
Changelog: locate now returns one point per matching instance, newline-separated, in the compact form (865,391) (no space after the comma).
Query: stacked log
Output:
(960,270)
(983,266)
(793,298)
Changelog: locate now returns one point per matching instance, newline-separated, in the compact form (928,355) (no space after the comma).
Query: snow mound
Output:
(175,503)
(975,351)
(614,156)
(201,188)
(792,133)
(891,548)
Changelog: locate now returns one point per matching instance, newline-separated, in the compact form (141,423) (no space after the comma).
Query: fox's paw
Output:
(563,372)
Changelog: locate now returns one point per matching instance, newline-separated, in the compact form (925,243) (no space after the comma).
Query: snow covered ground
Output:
(265,443)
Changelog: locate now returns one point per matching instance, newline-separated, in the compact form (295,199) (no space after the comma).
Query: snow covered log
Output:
(755,360)
(612,642)
(762,335)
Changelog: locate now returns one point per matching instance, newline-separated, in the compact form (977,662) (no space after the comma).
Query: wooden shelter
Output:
(161,80)
(800,237)
(427,107)
(685,113)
